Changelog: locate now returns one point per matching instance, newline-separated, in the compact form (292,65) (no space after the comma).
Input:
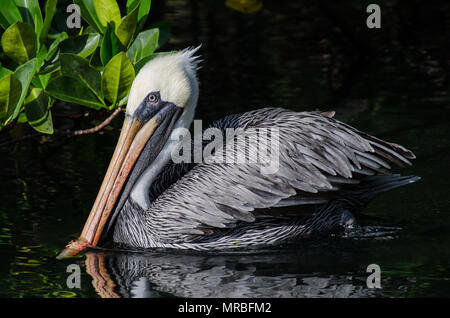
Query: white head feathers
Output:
(172,75)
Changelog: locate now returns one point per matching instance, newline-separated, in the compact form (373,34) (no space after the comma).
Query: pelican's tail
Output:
(338,213)
(361,194)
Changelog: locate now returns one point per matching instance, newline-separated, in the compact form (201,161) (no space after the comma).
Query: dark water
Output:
(307,55)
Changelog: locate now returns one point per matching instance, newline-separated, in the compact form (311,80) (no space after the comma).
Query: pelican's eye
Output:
(152,98)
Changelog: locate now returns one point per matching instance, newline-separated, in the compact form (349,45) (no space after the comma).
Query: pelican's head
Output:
(169,78)
(163,96)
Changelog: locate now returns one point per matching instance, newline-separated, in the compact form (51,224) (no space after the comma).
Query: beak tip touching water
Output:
(72,249)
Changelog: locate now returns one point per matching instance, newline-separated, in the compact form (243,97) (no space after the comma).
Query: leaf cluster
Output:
(93,68)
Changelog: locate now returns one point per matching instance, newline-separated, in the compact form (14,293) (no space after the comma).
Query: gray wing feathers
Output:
(317,156)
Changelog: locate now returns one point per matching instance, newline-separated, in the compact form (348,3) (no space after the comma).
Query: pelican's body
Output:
(326,170)
(208,206)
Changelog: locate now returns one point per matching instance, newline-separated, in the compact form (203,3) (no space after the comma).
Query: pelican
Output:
(326,172)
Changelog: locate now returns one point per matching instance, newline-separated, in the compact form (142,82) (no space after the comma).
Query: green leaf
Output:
(110,45)
(107,11)
(82,45)
(24,74)
(4,71)
(31,13)
(53,49)
(123,101)
(22,118)
(37,111)
(88,13)
(9,14)
(89,29)
(52,59)
(19,42)
(50,9)
(144,45)
(10,90)
(72,90)
(42,53)
(144,9)
(132,4)
(79,68)
(126,29)
(117,78)
(95,60)
(41,80)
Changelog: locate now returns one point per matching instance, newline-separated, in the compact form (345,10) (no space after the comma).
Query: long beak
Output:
(132,140)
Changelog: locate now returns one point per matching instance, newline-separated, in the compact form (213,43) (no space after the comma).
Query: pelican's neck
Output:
(140,192)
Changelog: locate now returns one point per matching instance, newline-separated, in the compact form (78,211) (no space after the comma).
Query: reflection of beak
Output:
(132,140)
(102,282)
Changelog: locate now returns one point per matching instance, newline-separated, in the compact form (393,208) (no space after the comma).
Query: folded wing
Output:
(318,157)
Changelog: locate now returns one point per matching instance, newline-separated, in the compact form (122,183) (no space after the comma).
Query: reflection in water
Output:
(252,275)
(102,282)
